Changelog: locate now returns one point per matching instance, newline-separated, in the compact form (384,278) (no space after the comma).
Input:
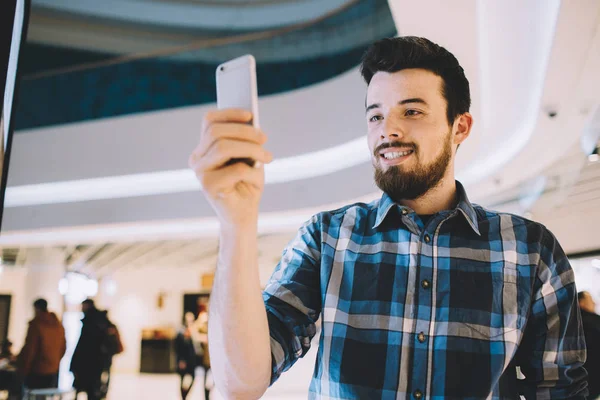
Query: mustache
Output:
(384,146)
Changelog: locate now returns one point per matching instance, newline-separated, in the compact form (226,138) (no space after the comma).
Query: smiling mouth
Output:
(394,155)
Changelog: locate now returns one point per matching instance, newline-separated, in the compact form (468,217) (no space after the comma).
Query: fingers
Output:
(226,115)
(233,131)
(220,182)
(226,135)
(224,150)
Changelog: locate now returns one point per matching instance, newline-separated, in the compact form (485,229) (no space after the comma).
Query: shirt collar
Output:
(464,206)
(385,205)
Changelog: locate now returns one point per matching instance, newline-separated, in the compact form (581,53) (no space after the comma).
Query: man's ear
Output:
(462,128)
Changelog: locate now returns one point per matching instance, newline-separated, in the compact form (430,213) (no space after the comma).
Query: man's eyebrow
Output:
(372,106)
(413,100)
(401,103)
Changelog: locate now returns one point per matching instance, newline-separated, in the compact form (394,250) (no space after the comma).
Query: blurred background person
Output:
(204,361)
(192,352)
(591,329)
(6,355)
(187,357)
(8,373)
(92,359)
(45,345)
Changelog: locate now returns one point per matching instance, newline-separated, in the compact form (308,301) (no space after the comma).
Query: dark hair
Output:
(89,302)
(396,54)
(41,304)
(581,295)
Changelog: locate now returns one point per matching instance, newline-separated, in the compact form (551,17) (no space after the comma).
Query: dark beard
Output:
(402,185)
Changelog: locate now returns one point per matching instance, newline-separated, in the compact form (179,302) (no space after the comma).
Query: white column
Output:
(45,268)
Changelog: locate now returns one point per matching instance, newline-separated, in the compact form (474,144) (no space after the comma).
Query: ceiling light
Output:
(270,222)
(282,170)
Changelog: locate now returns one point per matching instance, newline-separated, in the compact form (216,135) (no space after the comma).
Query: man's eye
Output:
(412,113)
(375,118)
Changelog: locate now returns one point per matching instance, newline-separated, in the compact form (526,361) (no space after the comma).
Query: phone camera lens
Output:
(222,68)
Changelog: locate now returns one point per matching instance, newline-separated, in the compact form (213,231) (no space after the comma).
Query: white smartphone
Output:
(236,88)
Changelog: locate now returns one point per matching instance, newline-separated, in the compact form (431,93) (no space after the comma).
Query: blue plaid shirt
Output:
(443,310)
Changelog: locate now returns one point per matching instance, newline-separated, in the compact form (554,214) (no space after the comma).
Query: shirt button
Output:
(404,211)
(418,394)
(427,239)
(425,284)
(421,337)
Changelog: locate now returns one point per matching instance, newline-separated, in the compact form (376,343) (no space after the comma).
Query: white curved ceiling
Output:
(232,15)
(521,63)
(59,27)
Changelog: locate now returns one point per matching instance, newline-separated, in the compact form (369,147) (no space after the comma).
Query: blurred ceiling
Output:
(157,50)
(105,259)
(234,15)
(533,68)
(271,30)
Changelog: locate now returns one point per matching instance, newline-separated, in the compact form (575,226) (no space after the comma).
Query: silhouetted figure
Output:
(186,359)
(9,380)
(44,347)
(591,328)
(92,359)
(191,346)
(204,361)
(7,355)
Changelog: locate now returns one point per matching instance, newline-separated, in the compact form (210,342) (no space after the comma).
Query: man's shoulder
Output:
(485,214)
(524,229)
(589,315)
(591,323)
(34,325)
(357,210)
(97,319)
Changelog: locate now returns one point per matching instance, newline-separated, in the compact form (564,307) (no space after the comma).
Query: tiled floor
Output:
(150,387)
(293,385)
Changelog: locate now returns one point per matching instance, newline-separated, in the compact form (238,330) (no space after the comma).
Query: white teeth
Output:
(396,154)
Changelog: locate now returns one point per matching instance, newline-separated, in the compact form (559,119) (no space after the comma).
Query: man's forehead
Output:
(408,83)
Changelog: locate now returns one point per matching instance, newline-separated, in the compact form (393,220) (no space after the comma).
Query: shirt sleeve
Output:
(552,353)
(293,298)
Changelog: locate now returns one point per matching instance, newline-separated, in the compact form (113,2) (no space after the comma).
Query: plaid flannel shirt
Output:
(446,310)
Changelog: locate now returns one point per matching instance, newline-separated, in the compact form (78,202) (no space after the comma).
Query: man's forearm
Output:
(238,329)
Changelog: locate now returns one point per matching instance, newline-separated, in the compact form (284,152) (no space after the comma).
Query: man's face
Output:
(411,142)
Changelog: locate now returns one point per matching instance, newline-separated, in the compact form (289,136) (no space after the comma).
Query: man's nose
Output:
(392,130)
(392,133)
